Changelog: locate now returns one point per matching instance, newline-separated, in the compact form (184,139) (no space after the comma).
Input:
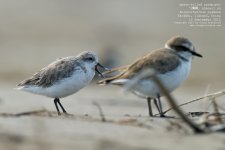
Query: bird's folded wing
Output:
(161,61)
(56,71)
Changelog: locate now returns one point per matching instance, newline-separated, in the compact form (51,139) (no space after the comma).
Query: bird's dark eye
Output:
(90,58)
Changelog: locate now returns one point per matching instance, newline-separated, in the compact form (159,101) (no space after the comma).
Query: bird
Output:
(63,77)
(171,64)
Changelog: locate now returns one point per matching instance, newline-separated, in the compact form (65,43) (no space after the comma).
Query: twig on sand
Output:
(151,73)
(195,127)
(172,102)
(100,111)
(213,95)
(27,113)
(216,109)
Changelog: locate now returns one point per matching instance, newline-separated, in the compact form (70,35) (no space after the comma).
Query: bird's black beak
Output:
(99,65)
(196,54)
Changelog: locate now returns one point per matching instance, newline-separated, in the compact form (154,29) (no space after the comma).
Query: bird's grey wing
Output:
(161,61)
(54,72)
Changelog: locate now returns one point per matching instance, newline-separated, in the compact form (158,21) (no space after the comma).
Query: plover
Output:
(63,77)
(171,65)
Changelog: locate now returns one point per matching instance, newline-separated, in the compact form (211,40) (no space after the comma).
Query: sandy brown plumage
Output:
(161,61)
(170,64)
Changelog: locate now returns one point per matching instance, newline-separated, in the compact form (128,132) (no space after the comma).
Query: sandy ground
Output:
(34,33)
(127,125)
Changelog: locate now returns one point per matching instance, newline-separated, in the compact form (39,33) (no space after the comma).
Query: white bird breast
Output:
(171,80)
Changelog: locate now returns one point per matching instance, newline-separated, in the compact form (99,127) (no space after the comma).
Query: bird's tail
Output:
(110,80)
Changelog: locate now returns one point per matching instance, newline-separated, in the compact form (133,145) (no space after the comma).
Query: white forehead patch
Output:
(167,46)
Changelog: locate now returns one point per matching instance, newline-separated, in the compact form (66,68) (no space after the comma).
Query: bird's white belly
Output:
(171,80)
(65,86)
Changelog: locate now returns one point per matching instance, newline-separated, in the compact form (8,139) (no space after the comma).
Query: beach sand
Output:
(30,121)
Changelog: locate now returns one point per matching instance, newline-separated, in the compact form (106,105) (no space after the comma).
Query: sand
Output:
(127,124)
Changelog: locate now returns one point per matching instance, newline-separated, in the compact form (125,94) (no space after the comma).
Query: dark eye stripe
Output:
(180,48)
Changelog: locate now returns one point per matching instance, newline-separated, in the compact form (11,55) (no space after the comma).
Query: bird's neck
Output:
(185,56)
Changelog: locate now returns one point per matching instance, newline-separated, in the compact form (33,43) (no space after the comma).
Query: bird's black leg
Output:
(157,106)
(56,105)
(149,106)
(160,106)
(64,111)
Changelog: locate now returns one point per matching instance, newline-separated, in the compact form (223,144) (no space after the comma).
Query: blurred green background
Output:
(34,33)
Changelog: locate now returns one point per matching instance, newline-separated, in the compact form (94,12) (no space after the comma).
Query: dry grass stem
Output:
(172,102)
(100,111)
(216,110)
(42,112)
(210,96)
(150,73)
